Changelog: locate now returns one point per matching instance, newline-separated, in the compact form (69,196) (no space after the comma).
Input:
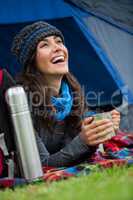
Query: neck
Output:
(54,83)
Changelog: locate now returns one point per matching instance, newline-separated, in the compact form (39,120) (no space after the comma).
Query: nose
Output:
(56,47)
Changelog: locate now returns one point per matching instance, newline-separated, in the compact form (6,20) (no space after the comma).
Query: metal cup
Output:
(105,115)
(97,117)
(100,116)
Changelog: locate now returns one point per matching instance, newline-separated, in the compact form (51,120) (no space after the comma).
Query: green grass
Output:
(111,184)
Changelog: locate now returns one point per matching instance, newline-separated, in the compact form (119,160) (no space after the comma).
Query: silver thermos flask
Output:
(24,133)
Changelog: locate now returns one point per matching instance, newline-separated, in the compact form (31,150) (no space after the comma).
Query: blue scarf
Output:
(62,104)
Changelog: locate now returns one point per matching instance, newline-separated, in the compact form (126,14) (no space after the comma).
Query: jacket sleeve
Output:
(74,151)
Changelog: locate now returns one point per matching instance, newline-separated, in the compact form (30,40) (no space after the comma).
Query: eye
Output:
(59,41)
(43,44)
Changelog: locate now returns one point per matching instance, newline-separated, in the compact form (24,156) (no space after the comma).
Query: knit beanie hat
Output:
(25,42)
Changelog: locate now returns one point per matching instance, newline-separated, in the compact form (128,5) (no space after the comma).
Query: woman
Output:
(55,98)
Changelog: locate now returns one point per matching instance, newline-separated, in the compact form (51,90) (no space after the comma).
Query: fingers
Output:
(115,112)
(116,119)
(103,127)
(105,133)
(96,124)
(101,137)
(115,115)
(98,141)
(87,120)
(97,131)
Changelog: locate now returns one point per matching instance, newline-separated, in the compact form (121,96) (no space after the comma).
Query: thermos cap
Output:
(16,99)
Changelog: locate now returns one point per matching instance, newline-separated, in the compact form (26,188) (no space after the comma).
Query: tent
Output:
(99,37)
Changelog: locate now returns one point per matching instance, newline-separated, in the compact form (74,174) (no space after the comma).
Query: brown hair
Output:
(34,82)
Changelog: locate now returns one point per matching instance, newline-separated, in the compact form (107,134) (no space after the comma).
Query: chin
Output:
(63,71)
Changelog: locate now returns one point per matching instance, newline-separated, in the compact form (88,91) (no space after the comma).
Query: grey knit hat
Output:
(25,42)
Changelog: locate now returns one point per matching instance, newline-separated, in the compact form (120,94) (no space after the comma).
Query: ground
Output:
(111,184)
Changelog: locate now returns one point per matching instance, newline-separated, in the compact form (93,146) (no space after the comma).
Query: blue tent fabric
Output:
(118,50)
(123,39)
(88,60)
(120,13)
(27,11)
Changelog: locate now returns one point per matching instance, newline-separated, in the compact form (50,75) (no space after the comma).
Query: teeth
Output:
(61,58)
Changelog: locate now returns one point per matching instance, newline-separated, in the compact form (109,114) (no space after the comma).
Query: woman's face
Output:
(52,56)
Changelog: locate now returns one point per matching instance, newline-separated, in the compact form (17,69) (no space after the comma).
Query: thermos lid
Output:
(16,99)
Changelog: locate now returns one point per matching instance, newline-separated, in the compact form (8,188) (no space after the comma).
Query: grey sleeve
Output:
(72,152)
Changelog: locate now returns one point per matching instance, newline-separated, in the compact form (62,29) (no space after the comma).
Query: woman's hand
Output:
(115,119)
(94,133)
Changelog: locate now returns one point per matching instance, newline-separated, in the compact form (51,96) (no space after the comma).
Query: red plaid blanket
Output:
(118,151)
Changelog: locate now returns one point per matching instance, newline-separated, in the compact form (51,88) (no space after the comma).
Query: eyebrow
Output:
(55,36)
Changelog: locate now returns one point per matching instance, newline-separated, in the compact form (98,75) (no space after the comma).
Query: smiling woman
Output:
(52,56)
(55,98)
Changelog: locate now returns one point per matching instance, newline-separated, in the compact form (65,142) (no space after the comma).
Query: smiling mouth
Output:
(58,59)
